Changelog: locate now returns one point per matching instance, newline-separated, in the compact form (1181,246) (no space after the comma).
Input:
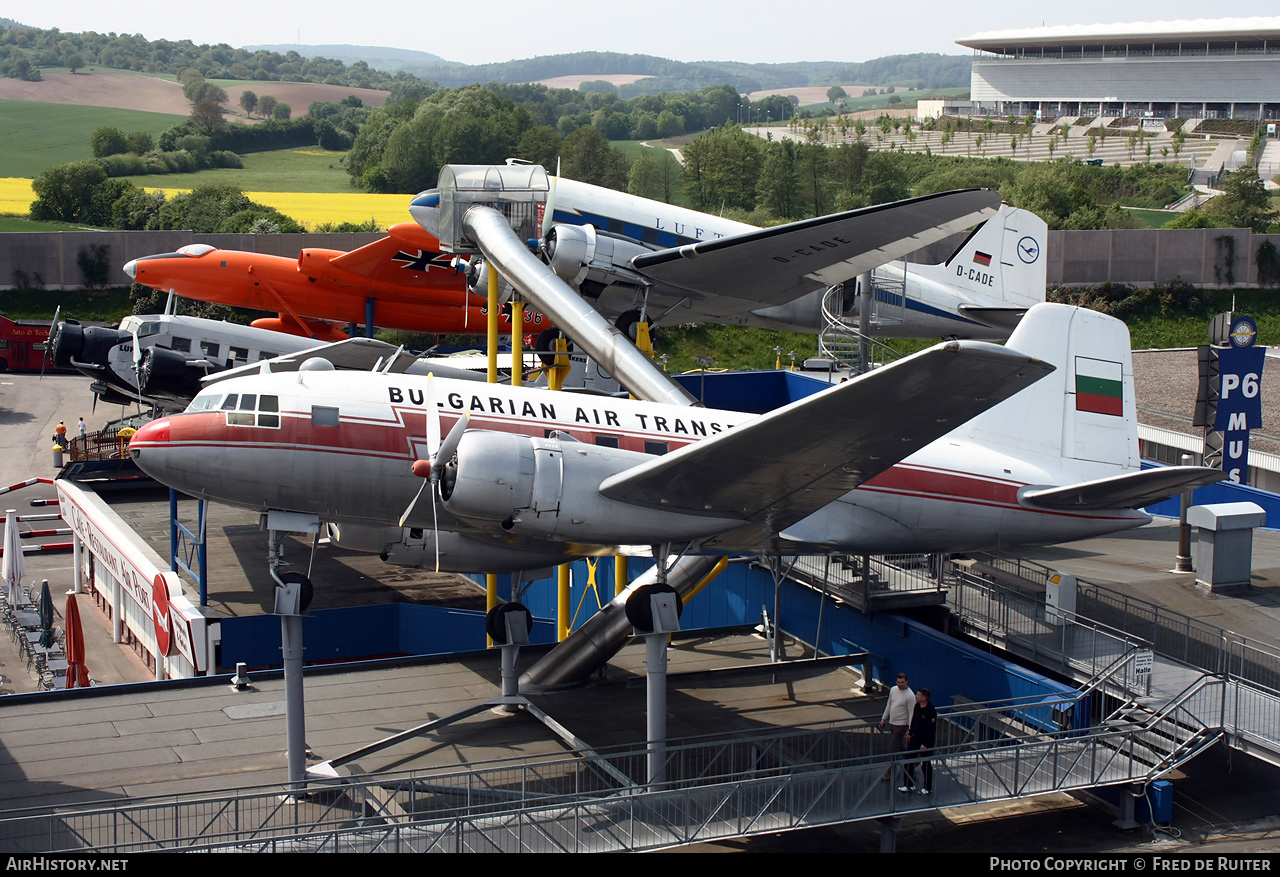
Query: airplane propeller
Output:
(48,341)
(439,453)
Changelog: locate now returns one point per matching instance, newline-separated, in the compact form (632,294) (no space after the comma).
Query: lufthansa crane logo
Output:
(1028,249)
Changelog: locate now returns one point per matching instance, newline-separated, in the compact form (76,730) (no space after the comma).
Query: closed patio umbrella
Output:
(77,672)
(45,608)
(14,564)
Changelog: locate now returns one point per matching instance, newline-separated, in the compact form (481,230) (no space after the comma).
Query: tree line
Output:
(24,50)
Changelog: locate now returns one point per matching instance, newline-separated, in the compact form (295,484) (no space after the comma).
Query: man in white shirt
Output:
(897,713)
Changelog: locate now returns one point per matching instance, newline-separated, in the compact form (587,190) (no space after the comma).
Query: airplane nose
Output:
(131,268)
(425,210)
(154,433)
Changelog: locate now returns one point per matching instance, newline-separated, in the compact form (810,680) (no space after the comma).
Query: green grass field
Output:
(21,223)
(306,169)
(855,104)
(1151,218)
(34,135)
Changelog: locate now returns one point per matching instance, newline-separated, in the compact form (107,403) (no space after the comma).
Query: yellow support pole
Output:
(706,580)
(619,574)
(490,599)
(558,372)
(517,342)
(643,341)
(495,281)
(562,603)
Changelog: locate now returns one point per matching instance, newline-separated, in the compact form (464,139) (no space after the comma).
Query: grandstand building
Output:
(1227,68)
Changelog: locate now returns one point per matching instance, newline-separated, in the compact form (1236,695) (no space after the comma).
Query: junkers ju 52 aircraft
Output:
(520,478)
(626,253)
(402,281)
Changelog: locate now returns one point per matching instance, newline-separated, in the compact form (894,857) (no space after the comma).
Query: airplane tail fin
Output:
(1079,425)
(1081,421)
(1001,265)
(404,256)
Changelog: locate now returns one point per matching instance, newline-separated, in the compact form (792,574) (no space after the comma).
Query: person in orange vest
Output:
(60,434)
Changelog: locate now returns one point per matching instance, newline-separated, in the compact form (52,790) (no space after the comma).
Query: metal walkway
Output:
(1180,650)
(724,788)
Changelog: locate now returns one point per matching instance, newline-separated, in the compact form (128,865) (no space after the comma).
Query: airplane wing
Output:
(783,466)
(360,354)
(773,266)
(1132,490)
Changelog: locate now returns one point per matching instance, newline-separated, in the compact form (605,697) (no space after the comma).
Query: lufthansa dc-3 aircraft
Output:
(401,281)
(966,445)
(625,253)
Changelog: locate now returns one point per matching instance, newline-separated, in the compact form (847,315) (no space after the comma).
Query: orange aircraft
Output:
(402,281)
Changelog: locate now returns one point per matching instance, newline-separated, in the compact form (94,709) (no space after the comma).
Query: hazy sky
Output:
(687,30)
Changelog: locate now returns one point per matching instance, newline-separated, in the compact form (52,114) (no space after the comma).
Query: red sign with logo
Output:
(160,615)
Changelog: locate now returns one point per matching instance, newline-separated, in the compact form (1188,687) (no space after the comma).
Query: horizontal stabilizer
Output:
(784,465)
(776,265)
(1132,490)
(1001,318)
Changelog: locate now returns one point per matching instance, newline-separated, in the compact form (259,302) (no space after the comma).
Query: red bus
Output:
(22,345)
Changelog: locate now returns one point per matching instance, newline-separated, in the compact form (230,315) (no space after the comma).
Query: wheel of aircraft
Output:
(307,589)
(627,322)
(545,345)
(640,604)
(495,623)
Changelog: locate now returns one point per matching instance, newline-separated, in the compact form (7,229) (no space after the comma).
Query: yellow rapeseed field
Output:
(309,208)
(15,195)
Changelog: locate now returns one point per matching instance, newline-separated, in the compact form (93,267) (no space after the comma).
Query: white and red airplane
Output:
(964,446)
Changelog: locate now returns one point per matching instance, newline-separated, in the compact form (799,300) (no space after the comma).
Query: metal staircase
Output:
(842,341)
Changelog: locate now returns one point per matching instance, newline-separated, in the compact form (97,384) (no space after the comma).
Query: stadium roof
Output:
(1208,30)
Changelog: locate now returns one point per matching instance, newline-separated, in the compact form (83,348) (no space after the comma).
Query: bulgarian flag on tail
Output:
(1099,386)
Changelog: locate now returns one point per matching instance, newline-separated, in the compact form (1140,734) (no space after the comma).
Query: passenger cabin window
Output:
(182,345)
(239,354)
(656,448)
(607,441)
(323,416)
(265,355)
(208,348)
(253,410)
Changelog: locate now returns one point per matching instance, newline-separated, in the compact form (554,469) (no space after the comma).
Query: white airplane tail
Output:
(1081,421)
(1001,265)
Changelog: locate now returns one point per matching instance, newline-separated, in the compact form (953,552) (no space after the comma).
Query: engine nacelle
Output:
(458,553)
(89,344)
(581,254)
(550,488)
(167,375)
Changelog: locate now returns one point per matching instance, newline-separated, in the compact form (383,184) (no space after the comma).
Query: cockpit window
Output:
(148,329)
(205,403)
(253,410)
(195,249)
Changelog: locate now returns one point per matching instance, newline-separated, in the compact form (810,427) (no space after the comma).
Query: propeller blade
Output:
(450,446)
(435,523)
(416,497)
(48,342)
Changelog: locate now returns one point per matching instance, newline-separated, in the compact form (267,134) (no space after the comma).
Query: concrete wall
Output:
(1211,79)
(1139,257)
(52,255)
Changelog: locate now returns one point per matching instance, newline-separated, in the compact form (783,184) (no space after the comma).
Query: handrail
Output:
(833,321)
